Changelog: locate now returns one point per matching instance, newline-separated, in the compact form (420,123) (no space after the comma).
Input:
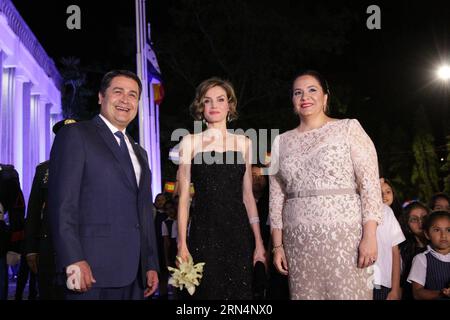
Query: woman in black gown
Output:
(224,229)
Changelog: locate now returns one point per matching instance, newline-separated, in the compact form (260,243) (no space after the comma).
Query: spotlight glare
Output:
(444,72)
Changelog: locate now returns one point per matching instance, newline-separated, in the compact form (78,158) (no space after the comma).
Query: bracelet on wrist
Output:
(275,248)
(253,220)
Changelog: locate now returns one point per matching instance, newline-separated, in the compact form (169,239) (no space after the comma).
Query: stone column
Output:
(31,140)
(6,116)
(17,115)
(48,130)
(41,128)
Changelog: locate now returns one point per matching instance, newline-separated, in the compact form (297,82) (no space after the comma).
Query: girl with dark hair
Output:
(430,271)
(440,202)
(411,224)
(390,198)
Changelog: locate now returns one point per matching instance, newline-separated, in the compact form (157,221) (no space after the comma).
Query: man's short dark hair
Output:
(107,78)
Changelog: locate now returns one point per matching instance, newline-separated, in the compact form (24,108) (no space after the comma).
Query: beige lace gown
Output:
(326,187)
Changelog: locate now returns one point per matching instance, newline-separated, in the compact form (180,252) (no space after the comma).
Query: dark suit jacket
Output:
(97,212)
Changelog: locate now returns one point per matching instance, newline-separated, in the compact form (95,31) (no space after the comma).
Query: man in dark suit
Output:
(100,207)
(39,251)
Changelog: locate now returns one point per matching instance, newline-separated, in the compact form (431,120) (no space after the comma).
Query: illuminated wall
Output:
(30,99)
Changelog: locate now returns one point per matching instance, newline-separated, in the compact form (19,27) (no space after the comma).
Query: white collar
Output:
(111,126)
(437,255)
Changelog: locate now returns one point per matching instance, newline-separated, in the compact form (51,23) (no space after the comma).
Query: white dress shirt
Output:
(389,234)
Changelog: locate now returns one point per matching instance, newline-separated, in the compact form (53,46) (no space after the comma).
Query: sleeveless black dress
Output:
(220,234)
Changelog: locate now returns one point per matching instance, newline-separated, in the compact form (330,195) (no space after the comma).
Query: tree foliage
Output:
(424,175)
(258,50)
(75,95)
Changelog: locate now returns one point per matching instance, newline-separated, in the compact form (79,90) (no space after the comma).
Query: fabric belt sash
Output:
(323,192)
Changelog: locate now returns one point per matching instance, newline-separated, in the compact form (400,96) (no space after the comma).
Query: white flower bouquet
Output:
(186,275)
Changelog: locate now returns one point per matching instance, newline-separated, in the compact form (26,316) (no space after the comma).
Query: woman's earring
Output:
(204,122)
(228,117)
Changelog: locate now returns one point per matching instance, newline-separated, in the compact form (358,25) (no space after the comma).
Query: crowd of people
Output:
(320,225)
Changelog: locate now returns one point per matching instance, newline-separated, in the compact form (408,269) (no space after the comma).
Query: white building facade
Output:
(30,98)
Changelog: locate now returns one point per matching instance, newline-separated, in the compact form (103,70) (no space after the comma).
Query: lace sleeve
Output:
(365,166)
(277,196)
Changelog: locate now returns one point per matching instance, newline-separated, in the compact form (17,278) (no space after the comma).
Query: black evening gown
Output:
(220,234)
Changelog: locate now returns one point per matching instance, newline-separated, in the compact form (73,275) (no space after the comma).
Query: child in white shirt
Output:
(387,265)
(430,271)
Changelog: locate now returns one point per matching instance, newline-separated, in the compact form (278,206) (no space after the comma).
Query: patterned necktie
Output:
(126,155)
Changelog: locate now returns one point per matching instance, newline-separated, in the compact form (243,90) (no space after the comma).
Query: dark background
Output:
(384,78)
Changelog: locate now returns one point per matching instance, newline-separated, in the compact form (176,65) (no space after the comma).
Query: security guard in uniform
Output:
(39,249)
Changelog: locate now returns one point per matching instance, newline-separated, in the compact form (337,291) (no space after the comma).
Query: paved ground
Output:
(12,289)
(13,283)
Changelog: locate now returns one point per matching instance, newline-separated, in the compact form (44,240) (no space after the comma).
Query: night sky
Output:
(381,77)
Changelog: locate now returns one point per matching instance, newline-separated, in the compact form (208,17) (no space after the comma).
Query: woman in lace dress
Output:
(325,200)
(224,231)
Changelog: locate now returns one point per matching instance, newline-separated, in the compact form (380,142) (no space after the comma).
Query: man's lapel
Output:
(113,146)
